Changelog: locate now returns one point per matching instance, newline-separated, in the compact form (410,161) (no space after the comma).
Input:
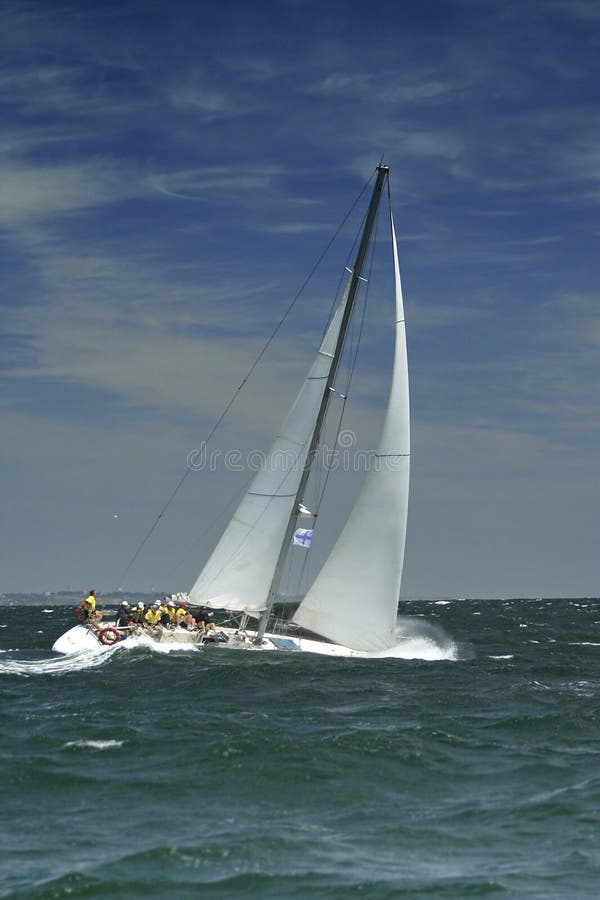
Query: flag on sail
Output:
(303,537)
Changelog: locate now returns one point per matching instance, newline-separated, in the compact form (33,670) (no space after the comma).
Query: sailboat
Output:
(351,607)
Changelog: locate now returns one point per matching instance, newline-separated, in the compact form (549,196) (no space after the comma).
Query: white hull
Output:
(285,643)
(77,639)
(81,638)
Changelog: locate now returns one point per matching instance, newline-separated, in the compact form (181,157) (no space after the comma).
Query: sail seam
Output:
(281,436)
(386,455)
(259,494)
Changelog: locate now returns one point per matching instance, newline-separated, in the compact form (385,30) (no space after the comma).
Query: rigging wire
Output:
(321,481)
(321,484)
(240,387)
(351,369)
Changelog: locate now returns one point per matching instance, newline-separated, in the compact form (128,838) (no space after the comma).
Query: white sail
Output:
(354,599)
(352,604)
(239,571)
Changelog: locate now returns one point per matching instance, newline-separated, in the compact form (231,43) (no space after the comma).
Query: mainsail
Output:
(354,599)
(239,572)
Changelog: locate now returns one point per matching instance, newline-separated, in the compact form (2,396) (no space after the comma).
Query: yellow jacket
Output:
(152,617)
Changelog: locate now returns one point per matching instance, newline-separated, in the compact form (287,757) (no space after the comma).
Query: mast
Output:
(382,174)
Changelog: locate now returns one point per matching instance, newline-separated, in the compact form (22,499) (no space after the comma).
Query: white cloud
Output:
(39,191)
(194,184)
(394,87)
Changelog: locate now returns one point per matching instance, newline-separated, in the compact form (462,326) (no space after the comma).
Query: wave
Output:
(142,640)
(419,639)
(75,662)
(95,745)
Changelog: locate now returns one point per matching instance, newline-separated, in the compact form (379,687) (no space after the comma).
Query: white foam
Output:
(419,648)
(74,662)
(96,745)
(143,640)
(419,639)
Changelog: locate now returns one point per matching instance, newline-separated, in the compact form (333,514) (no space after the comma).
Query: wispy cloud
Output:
(38,191)
(194,184)
(393,87)
(167,180)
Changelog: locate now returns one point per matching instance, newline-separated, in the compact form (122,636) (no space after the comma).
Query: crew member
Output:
(123,617)
(153,615)
(137,614)
(167,611)
(88,609)
(183,616)
(203,621)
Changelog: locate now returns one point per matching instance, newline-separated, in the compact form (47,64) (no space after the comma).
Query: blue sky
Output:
(168,175)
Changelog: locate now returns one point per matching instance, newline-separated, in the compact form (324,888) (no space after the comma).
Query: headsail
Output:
(240,570)
(354,598)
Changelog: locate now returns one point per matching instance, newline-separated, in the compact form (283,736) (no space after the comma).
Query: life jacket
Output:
(152,617)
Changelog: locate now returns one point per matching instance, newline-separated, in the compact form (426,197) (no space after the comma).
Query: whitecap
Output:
(418,639)
(506,656)
(48,610)
(419,648)
(74,662)
(95,745)
(143,640)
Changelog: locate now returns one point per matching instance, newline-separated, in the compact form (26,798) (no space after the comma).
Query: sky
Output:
(169,173)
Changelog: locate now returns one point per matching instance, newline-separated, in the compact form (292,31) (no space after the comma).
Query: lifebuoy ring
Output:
(80,612)
(109,636)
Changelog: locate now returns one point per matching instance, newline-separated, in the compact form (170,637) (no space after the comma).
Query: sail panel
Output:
(354,599)
(238,574)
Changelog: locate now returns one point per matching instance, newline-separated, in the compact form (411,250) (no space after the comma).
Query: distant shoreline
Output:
(73,598)
(114,598)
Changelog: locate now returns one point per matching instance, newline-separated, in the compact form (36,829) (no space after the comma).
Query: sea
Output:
(466,765)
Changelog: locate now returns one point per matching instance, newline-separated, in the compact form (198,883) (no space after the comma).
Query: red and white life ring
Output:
(109,636)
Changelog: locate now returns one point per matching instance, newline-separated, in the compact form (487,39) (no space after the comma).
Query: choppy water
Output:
(472,772)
